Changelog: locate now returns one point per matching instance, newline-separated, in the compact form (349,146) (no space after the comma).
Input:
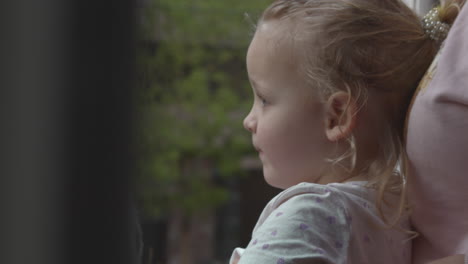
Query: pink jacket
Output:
(437,146)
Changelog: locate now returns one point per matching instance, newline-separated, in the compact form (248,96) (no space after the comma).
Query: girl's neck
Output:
(360,177)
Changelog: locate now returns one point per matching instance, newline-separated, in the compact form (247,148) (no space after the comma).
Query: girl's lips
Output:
(260,156)
(260,153)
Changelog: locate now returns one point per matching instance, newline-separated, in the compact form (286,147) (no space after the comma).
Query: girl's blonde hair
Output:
(368,48)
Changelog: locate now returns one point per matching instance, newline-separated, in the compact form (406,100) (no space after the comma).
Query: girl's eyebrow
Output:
(253,83)
(255,87)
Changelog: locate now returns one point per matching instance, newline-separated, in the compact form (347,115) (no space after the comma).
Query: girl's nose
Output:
(250,123)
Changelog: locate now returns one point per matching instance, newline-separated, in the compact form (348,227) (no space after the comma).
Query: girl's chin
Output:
(275,182)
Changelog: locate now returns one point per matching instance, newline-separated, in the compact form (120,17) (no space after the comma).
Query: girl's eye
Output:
(262,100)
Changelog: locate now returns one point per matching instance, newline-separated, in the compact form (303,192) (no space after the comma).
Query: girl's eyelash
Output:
(262,99)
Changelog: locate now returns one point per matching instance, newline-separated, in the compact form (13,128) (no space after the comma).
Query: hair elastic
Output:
(433,27)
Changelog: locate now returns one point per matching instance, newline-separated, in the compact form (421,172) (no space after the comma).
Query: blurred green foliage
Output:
(193,95)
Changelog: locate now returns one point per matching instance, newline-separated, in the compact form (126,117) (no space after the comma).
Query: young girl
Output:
(332,80)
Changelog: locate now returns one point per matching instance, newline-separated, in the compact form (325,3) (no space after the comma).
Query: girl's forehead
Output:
(276,31)
(274,43)
(272,40)
(266,60)
(272,62)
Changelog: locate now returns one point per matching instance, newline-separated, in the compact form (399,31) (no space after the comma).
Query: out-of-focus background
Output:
(199,183)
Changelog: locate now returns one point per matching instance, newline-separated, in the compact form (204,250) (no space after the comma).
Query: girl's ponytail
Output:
(449,9)
(437,21)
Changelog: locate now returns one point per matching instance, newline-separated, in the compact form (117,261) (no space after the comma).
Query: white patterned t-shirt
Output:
(334,223)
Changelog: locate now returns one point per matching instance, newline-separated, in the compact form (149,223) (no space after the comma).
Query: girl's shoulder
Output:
(334,223)
(344,200)
(306,199)
(333,194)
(309,220)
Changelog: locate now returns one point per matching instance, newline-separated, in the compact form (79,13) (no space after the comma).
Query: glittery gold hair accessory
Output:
(433,27)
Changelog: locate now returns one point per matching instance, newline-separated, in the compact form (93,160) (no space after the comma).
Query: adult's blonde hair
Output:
(372,49)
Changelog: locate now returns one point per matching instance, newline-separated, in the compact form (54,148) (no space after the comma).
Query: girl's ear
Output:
(340,118)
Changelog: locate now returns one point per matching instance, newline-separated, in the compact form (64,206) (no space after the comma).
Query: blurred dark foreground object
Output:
(66,128)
